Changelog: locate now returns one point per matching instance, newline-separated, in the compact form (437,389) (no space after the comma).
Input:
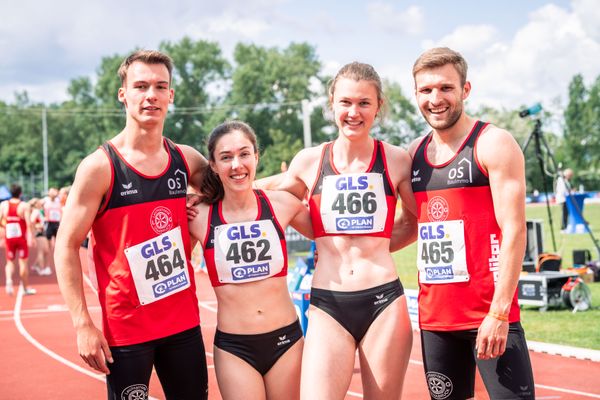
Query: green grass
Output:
(557,325)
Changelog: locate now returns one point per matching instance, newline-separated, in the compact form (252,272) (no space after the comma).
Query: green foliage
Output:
(197,66)
(522,130)
(401,122)
(581,145)
(264,87)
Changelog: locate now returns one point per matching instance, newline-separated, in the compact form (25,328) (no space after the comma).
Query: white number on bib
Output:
(441,255)
(54,215)
(247,251)
(13,230)
(353,203)
(158,266)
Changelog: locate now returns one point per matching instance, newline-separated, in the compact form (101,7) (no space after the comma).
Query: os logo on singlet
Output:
(247,249)
(161,220)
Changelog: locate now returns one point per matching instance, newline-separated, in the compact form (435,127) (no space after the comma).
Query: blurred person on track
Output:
(16,215)
(42,246)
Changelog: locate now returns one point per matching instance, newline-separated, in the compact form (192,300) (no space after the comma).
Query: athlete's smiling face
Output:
(146,92)
(440,95)
(235,161)
(355,105)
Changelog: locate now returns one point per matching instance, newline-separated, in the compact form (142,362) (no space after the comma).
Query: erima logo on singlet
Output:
(128,190)
(416,177)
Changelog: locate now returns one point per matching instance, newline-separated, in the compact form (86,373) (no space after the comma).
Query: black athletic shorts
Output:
(260,350)
(51,229)
(450,358)
(179,360)
(357,310)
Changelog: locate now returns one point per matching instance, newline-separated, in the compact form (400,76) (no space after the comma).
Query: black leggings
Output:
(449,359)
(180,363)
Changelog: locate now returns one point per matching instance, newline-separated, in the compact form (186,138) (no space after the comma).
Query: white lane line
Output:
(48,352)
(42,348)
(577,392)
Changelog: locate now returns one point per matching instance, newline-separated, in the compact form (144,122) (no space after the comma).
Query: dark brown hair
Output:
(147,57)
(358,71)
(440,56)
(211,186)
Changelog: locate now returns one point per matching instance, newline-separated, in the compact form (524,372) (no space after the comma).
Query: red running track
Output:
(38,354)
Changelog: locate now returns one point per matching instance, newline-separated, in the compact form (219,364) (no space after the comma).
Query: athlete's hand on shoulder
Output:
(491,338)
(93,348)
(191,201)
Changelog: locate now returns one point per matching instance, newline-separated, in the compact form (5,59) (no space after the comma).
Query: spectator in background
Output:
(53,216)
(17,218)
(561,192)
(37,225)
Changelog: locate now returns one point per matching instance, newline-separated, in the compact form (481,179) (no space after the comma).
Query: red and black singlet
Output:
(248,251)
(142,252)
(16,227)
(353,203)
(458,240)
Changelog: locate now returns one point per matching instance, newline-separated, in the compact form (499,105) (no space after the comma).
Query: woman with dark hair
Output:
(258,343)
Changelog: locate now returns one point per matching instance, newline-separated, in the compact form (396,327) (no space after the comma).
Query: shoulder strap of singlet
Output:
(266,212)
(110,153)
(380,165)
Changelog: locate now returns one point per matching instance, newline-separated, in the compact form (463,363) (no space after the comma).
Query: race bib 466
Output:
(353,203)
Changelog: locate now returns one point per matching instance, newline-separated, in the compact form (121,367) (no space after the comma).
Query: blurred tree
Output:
(199,80)
(401,122)
(268,85)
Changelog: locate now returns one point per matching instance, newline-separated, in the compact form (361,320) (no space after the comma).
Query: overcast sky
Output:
(519,51)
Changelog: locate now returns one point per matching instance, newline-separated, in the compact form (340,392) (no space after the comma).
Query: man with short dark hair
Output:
(468,178)
(131,193)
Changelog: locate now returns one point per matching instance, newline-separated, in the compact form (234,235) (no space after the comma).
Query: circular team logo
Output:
(161,219)
(440,386)
(437,209)
(135,392)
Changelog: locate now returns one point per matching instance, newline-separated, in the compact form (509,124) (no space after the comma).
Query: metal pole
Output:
(306,123)
(45,148)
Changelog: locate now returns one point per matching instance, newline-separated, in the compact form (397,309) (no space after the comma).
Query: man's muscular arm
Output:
(92,181)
